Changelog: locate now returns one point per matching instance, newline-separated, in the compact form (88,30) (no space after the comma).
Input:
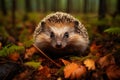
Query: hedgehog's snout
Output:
(59,44)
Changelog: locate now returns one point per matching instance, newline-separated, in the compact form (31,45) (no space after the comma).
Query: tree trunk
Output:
(55,5)
(102,9)
(3,7)
(117,12)
(45,5)
(38,5)
(118,7)
(69,6)
(28,5)
(13,12)
(85,6)
(101,15)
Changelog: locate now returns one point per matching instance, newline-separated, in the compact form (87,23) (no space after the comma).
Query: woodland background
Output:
(93,13)
(18,19)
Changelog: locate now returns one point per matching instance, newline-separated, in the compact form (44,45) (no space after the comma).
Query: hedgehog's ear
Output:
(42,25)
(76,25)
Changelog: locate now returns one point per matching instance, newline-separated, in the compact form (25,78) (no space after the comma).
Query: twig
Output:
(58,65)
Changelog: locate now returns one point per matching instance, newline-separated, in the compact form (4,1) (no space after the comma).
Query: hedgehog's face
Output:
(59,37)
(59,34)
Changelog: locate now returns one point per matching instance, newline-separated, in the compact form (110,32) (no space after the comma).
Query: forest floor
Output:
(21,60)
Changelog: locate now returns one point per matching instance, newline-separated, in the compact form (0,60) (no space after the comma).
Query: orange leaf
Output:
(0,45)
(113,72)
(45,71)
(106,60)
(74,71)
(90,64)
(14,56)
(94,48)
(65,62)
(69,69)
(30,52)
(78,73)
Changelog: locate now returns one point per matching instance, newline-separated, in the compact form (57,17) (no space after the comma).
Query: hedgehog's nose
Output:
(59,44)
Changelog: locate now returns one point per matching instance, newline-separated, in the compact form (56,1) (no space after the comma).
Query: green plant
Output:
(28,43)
(113,30)
(33,64)
(9,49)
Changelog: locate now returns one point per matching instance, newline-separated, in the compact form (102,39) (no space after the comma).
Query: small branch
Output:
(58,65)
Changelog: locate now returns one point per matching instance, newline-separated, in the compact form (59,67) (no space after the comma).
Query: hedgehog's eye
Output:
(52,35)
(66,35)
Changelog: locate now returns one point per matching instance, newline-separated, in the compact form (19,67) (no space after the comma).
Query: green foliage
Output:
(113,30)
(36,17)
(24,35)
(3,32)
(9,49)
(33,64)
(28,43)
(24,38)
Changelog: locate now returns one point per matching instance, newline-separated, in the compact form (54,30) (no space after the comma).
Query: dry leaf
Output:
(78,73)
(30,52)
(69,69)
(20,44)
(22,76)
(0,45)
(45,71)
(94,49)
(65,62)
(74,71)
(106,61)
(90,64)
(113,72)
(14,56)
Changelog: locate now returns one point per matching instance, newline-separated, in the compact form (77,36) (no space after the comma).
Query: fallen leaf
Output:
(65,62)
(30,52)
(74,71)
(113,72)
(22,76)
(14,56)
(45,71)
(0,45)
(90,64)
(106,61)
(94,49)
(78,73)
(20,44)
(69,69)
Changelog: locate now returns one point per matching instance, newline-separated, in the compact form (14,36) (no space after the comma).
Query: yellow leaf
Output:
(90,64)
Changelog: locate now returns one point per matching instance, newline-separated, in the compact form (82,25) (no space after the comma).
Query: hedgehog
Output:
(60,34)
